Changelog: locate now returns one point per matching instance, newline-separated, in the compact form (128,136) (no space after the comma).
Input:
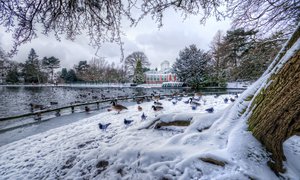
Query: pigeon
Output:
(210,110)
(232,100)
(157,108)
(144,117)
(103,126)
(117,107)
(225,100)
(187,101)
(127,122)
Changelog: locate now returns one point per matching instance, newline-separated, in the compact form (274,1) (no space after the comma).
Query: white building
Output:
(163,75)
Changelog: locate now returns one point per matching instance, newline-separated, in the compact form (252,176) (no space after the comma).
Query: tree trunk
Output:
(276,109)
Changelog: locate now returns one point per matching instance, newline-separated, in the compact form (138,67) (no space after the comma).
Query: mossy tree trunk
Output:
(276,109)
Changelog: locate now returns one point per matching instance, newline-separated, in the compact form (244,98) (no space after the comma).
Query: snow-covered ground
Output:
(215,146)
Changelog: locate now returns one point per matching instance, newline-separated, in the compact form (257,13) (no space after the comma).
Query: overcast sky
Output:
(158,44)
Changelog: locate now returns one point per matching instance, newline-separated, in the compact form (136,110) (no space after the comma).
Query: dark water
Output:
(16,100)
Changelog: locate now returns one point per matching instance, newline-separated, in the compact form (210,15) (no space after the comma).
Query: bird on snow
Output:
(210,110)
(103,126)
(87,109)
(236,96)
(157,108)
(144,117)
(194,102)
(127,122)
(117,107)
(187,101)
(157,103)
(174,102)
(216,96)
(155,97)
(194,107)
(140,108)
(225,100)
(232,100)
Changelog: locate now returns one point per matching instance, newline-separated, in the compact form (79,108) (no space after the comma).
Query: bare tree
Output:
(133,58)
(265,14)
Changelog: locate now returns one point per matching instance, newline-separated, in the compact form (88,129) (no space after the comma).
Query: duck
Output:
(87,109)
(140,108)
(53,103)
(139,100)
(144,117)
(155,97)
(210,110)
(36,106)
(157,108)
(103,126)
(117,107)
(127,122)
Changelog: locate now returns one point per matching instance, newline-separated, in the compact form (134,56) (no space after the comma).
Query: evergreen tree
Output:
(191,66)
(64,74)
(138,76)
(71,76)
(31,69)
(50,64)
(12,75)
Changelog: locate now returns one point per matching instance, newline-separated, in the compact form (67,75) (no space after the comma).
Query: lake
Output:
(15,100)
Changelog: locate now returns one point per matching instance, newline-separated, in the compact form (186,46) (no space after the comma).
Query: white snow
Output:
(74,151)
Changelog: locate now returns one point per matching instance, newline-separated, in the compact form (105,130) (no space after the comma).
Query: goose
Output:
(117,107)
(157,103)
(157,108)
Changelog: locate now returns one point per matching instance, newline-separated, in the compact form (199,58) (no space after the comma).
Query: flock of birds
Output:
(158,106)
